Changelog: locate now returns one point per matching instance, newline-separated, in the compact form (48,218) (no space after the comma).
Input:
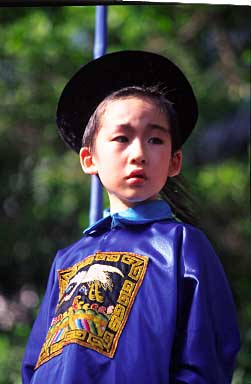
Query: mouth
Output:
(137,175)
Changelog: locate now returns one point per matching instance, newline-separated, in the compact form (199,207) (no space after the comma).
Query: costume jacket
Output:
(141,298)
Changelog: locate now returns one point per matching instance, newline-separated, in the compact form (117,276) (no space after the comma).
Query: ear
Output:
(175,163)
(87,161)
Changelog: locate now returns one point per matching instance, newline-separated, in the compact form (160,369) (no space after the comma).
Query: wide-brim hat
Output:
(101,77)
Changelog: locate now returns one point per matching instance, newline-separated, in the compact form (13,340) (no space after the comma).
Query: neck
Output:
(117,206)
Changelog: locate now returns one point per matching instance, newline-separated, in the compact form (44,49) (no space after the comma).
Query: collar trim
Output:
(145,213)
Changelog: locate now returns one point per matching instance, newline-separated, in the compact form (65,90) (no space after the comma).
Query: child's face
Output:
(132,152)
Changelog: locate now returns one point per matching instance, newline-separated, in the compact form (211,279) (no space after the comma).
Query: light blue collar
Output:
(144,213)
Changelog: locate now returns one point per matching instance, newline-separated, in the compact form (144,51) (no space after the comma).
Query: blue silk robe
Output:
(141,298)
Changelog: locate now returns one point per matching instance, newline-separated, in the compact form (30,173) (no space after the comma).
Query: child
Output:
(142,297)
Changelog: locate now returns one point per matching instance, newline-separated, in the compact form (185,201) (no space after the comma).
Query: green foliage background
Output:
(44,194)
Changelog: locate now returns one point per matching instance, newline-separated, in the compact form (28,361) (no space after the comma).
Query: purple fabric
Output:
(181,327)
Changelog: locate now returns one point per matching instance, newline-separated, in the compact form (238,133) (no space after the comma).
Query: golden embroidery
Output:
(95,298)
(94,293)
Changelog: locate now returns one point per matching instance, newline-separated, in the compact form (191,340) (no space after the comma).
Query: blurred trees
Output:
(45,195)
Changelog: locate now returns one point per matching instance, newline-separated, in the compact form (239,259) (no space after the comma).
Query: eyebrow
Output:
(160,128)
(151,126)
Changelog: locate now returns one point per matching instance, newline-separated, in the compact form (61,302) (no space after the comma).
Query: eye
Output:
(120,139)
(155,140)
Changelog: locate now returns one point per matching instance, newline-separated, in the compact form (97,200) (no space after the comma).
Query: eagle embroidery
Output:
(95,299)
(98,275)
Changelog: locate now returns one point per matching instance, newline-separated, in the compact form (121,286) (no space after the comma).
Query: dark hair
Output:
(175,191)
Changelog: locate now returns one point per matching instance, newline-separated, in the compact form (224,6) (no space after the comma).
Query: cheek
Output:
(98,153)
(164,174)
(163,156)
(162,167)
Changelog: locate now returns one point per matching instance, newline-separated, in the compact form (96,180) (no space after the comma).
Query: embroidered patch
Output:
(95,299)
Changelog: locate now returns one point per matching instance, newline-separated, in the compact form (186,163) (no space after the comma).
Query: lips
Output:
(137,175)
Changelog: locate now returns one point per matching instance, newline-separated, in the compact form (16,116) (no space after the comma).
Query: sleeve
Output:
(40,326)
(207,338)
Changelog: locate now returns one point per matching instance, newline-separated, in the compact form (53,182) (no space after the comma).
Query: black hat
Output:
(101,77)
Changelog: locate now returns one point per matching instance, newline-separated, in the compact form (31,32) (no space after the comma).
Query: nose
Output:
(137,153)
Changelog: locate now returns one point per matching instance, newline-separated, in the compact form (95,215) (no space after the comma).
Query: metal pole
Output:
(100,43)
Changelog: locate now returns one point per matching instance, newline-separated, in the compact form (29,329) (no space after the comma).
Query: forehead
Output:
(131,107)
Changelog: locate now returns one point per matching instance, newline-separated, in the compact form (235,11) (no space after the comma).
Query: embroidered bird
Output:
(98,275)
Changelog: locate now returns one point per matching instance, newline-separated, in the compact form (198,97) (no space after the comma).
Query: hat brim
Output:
(101,77)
